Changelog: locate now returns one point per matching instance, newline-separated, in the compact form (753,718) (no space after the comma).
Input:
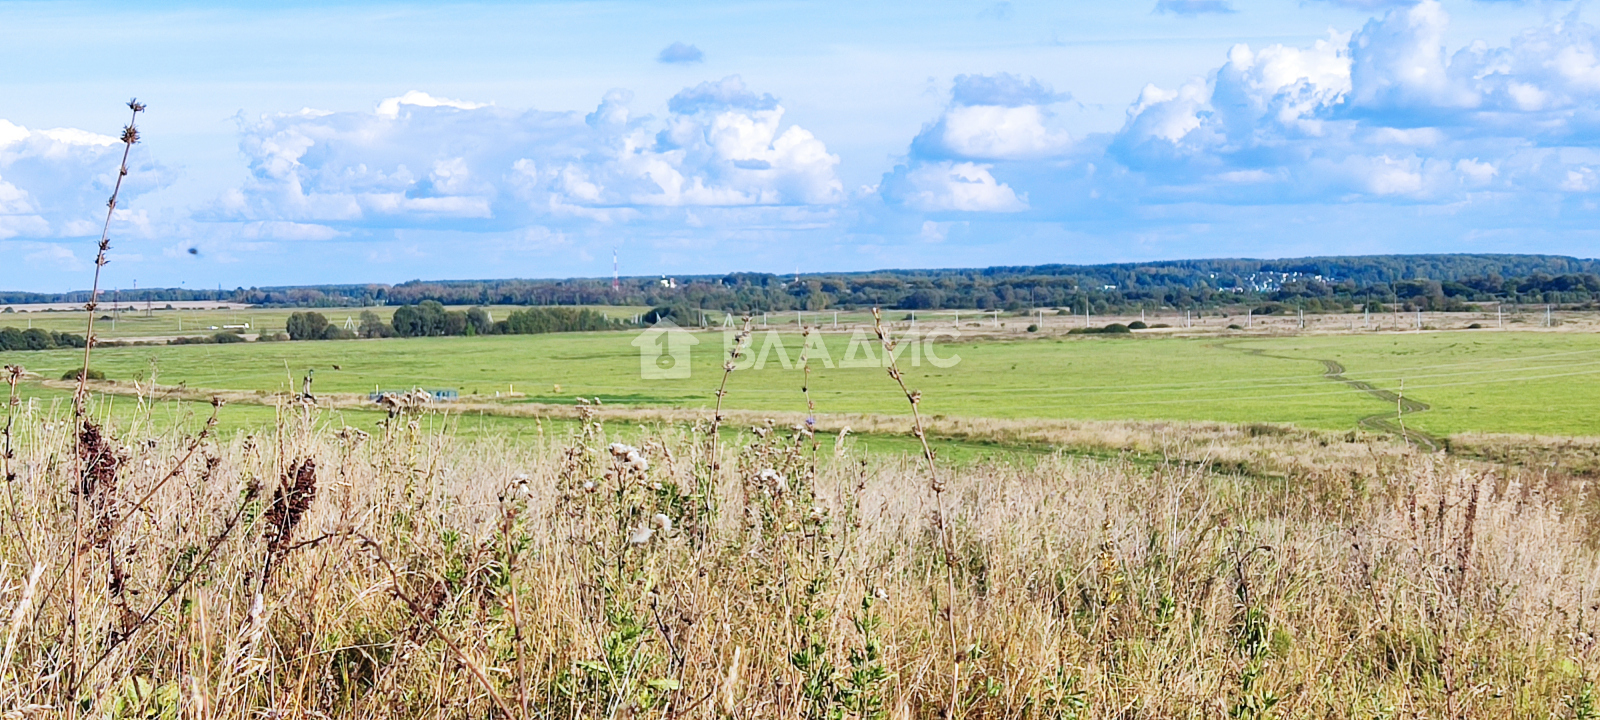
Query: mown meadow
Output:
(1472,380)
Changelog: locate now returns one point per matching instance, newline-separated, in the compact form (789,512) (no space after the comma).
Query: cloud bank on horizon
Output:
(1359,142)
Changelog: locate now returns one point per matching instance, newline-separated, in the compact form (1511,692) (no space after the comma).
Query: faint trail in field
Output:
(1387,422)
(1384,422)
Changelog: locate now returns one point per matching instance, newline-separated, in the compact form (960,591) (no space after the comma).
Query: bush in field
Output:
(425,319)
(73,374)
(307,326)
(678,314)
(1112,329)
(430,319)
(373,326)
(221,338)
(478,322)
(1137,325)
(552,319)
(13,339)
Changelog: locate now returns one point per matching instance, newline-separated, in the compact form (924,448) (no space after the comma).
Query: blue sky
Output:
(292,143)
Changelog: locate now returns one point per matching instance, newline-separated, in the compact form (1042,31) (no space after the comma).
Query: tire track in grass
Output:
(1384,422)
(1390,423)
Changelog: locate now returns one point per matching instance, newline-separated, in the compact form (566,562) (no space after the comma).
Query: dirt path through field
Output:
(1388,422)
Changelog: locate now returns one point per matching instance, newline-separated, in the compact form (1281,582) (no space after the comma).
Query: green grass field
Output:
(1522,382)
(1475,381)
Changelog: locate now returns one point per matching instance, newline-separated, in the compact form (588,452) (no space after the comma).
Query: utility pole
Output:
(1547,316)
(1249,318)
(1499,317)
(616,278)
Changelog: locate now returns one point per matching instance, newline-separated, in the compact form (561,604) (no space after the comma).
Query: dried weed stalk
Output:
(941,518)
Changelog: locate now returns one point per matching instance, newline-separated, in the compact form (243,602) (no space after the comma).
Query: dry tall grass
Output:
(316,571)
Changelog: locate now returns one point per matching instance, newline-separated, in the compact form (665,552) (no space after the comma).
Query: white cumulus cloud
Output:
(952,187)
(995,117)
(54,183)
(1387,113)
(427,162)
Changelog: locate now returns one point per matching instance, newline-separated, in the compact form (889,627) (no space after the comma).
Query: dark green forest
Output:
(1318,284)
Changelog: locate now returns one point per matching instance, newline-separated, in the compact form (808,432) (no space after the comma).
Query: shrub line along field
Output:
(1454,382)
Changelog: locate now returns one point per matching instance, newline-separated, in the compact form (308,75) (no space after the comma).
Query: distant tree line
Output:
(430,319)
(1325,284)
(37,339)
